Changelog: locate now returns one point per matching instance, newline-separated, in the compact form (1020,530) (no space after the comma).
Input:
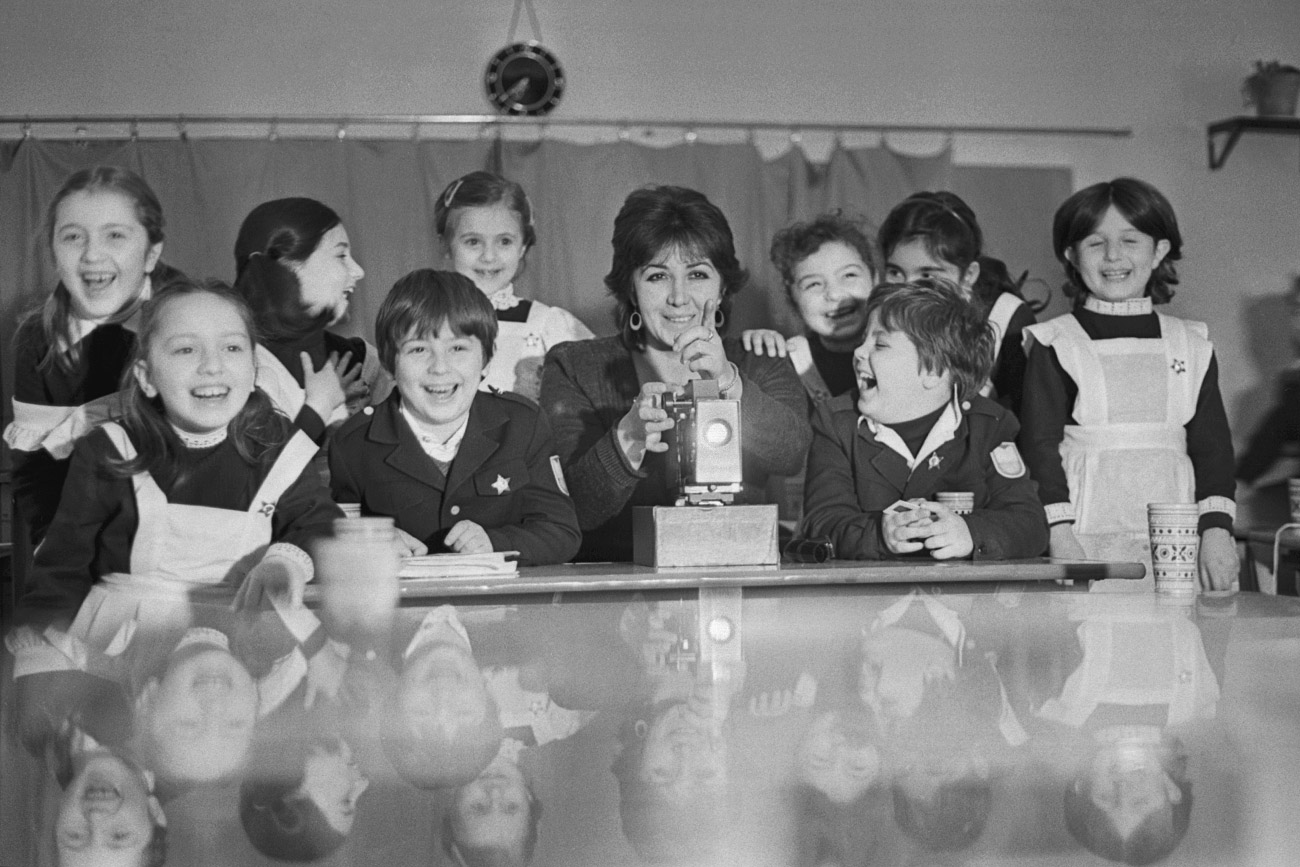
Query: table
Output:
(727,721)
(593,577)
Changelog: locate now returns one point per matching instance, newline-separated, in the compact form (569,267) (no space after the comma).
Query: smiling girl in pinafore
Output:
(1122,404)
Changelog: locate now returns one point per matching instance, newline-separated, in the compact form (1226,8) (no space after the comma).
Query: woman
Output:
(673,277)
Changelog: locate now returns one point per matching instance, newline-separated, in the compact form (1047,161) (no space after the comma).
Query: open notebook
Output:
(447,565)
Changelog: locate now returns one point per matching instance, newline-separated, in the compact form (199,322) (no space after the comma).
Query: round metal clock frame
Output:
(524,79)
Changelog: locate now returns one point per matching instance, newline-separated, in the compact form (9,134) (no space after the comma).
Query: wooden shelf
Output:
(1233,127)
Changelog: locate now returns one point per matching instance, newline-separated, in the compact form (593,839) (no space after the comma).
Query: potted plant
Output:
(1272,88)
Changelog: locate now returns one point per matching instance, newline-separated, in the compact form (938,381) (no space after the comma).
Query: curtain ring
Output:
(273,130)
(690,136)
(27,129)
(342,131)
(135,130)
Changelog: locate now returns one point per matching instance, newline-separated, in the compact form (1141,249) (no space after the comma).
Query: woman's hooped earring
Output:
(719,318)
(634,320)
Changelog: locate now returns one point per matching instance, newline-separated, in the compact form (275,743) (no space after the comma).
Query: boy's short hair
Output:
(950,333)
(422,301)
(798,241)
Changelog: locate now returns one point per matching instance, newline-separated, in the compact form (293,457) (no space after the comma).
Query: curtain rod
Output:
(342,122)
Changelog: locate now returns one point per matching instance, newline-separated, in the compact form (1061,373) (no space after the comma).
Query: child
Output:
(191,489)
(1122,405)
(298,800)
(294,268)
(126,828)
(441,728)
(919,427)
(458,470)
(936,235)
(829,268)
(105,231)
(486,226)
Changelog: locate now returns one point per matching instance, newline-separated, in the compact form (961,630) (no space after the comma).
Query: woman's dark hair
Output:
(280,820)
(950,333)
(422,301)
(797,242)
(255,431)
(56,312)
(654,220)
(482,190)
(947,227)
(274,236)
(1138,202)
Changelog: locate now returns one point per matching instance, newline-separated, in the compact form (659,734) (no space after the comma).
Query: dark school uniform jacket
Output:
(852,477)
(506,478)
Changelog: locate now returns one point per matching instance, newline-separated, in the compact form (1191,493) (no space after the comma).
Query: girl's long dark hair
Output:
(256,430)
(273,237)
(56,312)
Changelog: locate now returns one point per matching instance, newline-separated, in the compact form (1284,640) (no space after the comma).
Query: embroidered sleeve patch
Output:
(559,475)
(1007,461)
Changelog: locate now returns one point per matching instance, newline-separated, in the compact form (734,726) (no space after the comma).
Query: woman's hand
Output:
(324,388)
(466,537)
(701,351)
(1219,567)
(763,341)
(641,430)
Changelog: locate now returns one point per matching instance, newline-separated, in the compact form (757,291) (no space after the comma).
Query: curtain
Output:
(385,191)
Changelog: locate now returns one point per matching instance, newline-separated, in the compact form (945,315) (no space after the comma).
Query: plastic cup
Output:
(1175,546)
(1293,497)
(961,502)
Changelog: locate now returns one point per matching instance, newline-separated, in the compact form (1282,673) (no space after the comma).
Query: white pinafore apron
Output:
(1129,446)
(182,554)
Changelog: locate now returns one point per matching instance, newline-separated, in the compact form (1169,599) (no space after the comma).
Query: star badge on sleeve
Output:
(501,485)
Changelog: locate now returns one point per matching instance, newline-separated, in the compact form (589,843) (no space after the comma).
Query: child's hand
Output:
(900,528)
(466,537)
(325,673)
(324,388)
(1219,567)
(273,578)
(763,341)
(356,390)
(946,536)
(1064,545)
(409,546)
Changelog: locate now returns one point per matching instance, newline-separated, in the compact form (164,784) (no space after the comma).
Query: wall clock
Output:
(524,79)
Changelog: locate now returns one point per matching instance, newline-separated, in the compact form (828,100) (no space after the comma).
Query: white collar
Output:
(443,450)
(441,625)
(202,441)
(1130,307)
(505,299)
(945,429)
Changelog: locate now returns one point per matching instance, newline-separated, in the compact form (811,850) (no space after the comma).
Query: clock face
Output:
(524,78)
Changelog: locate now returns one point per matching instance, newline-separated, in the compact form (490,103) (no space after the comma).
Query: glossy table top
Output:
(784,725)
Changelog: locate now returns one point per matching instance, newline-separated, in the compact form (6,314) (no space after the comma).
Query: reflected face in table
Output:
(442,688)
(685,754)
(837,756)
(1129,782)
(494,810)
(897,665)
(333,781)
(200,715)
(104,816)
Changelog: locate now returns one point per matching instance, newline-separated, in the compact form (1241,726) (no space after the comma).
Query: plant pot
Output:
(1273,95)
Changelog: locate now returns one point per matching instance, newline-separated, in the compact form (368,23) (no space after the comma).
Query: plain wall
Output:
(1165,68)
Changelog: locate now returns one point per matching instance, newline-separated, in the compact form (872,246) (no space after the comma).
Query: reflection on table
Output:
(788,725)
